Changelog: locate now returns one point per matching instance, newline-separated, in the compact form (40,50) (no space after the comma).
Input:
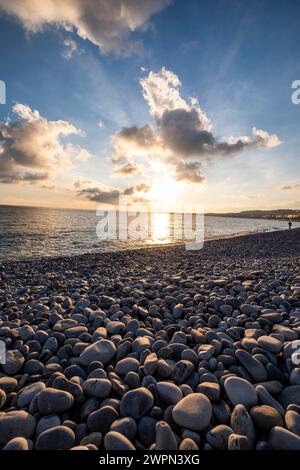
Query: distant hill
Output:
(278,214)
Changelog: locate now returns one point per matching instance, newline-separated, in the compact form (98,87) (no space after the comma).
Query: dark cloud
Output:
(189,171)
(111,195)
(129,169)
(292,187)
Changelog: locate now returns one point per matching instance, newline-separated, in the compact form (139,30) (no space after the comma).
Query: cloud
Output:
(106,23)
(70,48)
(79,183)
(129,169)
(292,187)
(111,196)
(31,149)
(181,137)
(189,171)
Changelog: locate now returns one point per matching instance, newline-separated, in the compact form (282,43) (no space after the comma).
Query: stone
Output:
(182,371)
(242,424)
(14,362)
(52,401)
(2,398)
(237,442)
(102,419)
(290,395)
(128,364)
(99,388)
(136,403)
(292,421)
(265,417)
(16,424)
(211,390)
(252,365)
(116,441)
(169,393)
(188,444)
(18,443)
(193,412)
(57,438)
(165,438)
(218,436)
(47,422)
(282,439)
(27,393)
(126,426)
(8,384)
(270,344)
(102,350)
(240,391)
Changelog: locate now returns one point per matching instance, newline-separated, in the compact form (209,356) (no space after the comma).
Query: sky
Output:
(156,101)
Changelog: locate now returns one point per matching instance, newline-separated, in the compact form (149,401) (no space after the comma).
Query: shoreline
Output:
(155,348)
(147,247)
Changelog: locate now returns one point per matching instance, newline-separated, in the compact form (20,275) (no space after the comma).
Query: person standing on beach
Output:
(290,225)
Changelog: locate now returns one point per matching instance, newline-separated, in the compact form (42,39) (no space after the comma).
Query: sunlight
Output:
(164,190)
(160,228)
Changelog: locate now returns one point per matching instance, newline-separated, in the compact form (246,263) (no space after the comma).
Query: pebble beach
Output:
(157,348)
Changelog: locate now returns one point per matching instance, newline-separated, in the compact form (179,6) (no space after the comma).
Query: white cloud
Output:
(106,23)
(181,131)
(31,148)
(70,48)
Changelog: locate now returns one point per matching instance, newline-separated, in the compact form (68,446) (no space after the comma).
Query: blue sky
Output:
(238,58)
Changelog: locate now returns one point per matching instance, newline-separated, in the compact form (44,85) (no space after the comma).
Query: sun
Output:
(164,190)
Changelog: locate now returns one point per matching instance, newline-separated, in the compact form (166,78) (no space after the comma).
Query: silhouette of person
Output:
(290,225)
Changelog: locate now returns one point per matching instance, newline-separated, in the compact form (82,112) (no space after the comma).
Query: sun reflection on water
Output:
(160,228)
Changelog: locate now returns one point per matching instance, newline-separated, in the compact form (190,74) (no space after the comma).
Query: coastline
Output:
(154,348)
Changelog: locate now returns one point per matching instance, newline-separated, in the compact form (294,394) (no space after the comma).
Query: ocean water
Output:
(27,232)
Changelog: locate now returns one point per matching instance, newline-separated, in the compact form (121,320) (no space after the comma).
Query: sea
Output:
(33,232)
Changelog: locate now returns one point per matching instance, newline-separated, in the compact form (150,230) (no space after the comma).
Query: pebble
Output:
(103,351)
(59,437)
(16,424)
(116,441)
(52,401)
(265,417)
(240,391)
(282,439)
(136,403)
(169,393)
(193,412)
(99,388)
(14,362)
(18,443)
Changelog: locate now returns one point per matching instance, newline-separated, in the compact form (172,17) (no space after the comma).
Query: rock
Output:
(294,376)
(57,438)
(103,351)
(47,422)
(116,441)
(14,362)
(126,426)
(270,344)
(241,423)
(211,390)
(265,398)
(99,388)
(8,384)
(282,439)
(136,403)
(27,393)
(240,391)
(102,419)
(292,421)
(146,430)
(52,401)
(248,309)
(18,443)
(94,438)
(150,364)
(128,364)
(2,398)
(188,444)
(16,424)
(169,393)
(182,371)
(265,417)
(252,365)
(290,395)
(218,436)
(237,442)
(165,438)
(193,412)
